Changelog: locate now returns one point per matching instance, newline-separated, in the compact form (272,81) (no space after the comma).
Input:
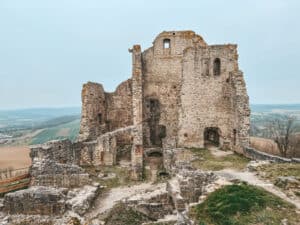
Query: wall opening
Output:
(234,136)
(217,67)
(100,118)
(156,131)
(167,43)
(212,136)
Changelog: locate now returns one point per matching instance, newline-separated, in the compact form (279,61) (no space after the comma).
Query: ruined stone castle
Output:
(182,93)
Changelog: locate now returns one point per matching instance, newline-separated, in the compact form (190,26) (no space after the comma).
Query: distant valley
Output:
(36,126)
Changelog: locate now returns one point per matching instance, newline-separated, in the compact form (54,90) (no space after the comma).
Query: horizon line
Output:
(79,106)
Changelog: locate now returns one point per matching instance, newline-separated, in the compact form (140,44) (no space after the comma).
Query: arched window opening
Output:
(167,43)
(217,67)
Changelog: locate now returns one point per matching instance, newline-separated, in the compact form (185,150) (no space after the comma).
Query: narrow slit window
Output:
(100,118)
(167,43)
(217,67)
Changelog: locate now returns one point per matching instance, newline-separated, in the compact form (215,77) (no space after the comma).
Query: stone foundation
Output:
(50,173)
(36,201)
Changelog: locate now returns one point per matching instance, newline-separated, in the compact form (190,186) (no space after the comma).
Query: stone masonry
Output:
(182,93)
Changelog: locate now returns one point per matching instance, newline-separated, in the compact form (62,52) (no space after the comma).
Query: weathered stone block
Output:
(36,201)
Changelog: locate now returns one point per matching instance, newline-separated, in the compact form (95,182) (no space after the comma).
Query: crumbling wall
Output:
(50,173)
(119,106)
(180,88)
(105,152)
(60,151)
(36,201)
(93,111)
(242,111)
(187,186)
(103,112)
(55,163)
(208,96)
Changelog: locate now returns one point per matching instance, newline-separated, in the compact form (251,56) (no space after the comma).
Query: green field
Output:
(67,130)
(36,126)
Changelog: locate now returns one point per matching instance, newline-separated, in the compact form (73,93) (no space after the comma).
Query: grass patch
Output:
(274,170)
(207,161)
(243,205)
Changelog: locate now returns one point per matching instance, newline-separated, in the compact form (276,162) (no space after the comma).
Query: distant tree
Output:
(282,130)
(295,146)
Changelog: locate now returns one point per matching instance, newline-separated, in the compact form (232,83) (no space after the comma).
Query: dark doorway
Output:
(234,136)
(157,132)
(212,136)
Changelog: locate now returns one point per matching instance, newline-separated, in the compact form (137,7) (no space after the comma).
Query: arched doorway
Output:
(212,136)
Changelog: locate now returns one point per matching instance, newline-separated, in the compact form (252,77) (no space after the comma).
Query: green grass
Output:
(207,161)
(53,133)
(243,205)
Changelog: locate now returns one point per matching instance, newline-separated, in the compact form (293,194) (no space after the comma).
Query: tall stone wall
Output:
(93,114)
(103,112)
(162,73)
(242,111)
(119,106)
(209,100)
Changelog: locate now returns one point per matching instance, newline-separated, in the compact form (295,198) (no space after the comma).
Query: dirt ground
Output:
(15,157)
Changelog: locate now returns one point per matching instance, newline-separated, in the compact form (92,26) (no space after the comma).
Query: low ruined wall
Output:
(35,201)
(87,153)
(61,151)
(107,145)
(155,204)
(258,155)
(187,186)
(50,173)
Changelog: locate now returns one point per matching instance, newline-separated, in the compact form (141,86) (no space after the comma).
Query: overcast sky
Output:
(49,48)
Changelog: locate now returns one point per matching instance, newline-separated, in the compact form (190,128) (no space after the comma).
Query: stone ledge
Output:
(258,155)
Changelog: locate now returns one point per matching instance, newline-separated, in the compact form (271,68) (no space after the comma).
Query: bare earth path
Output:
(106,201)
(252,179)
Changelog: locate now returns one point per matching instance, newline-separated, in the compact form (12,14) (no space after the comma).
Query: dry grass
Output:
(207,161)
(264,145)
(14,157)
